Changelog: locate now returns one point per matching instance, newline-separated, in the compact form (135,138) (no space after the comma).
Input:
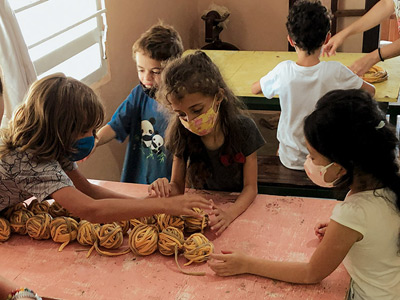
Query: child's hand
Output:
(228,263)
(221,219)
(161,187)
(320,229)
(183,204)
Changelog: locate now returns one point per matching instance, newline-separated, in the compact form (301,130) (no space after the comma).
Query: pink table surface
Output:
(273,227)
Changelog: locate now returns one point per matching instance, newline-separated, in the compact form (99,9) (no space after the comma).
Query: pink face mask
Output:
(317,173)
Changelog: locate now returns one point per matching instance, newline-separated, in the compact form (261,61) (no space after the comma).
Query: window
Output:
(64,36)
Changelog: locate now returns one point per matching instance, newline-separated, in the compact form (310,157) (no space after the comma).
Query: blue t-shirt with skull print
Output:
(141,118)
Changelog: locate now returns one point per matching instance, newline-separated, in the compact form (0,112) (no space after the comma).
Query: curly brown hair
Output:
(196,73)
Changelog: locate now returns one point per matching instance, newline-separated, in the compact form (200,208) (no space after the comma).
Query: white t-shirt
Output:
(374,262)
(299,88)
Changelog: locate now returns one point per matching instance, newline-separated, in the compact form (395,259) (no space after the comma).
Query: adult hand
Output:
(320,229)
(363,64)
(228,263)
(331,46)
(161,188)
(221,219)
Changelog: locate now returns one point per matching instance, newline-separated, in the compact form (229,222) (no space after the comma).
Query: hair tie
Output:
(380,125)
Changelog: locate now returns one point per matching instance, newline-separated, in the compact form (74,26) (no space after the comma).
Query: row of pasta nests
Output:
(40,220)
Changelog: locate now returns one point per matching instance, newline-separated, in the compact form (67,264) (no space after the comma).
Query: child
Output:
(350,145)
(139,115)
(300,84)
(55,126)
(213,140)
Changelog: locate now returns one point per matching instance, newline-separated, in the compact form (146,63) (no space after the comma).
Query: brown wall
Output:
(253,25)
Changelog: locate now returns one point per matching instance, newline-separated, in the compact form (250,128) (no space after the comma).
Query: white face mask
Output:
(317,173)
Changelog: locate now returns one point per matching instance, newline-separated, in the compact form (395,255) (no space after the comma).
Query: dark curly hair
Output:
(308,23)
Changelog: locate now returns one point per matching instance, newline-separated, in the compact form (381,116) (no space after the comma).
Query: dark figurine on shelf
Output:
(213,29)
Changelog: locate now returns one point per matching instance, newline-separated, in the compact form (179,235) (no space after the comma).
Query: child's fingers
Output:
(221,257)
(150,189)
(165,189)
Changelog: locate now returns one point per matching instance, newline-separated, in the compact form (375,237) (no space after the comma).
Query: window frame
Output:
(76,46)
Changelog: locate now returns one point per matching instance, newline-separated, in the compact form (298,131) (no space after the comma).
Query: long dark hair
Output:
(196,73)
(348,127)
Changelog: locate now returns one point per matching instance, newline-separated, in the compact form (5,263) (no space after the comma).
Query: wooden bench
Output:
(276,179)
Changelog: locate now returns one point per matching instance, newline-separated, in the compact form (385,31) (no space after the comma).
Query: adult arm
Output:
(380,11)
(224,217)
(329,254)
(362,65)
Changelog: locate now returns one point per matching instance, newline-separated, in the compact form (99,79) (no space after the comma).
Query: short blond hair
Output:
(56,110)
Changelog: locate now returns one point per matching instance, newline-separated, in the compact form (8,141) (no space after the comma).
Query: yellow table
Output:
(241,68)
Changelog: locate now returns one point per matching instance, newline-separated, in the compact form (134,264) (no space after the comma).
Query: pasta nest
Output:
(18,220)
(375,74)
(164,221)
(110,236)
(5,230)
(8,211)
(143,221)
(171,239)
(125,226)
(56,210)
(197,248)
(38,226)
(143,239)
(63,230)
(38,207)
(193,224)
(87,233)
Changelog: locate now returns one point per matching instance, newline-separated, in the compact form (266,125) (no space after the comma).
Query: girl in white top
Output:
(351,145)
(379,12)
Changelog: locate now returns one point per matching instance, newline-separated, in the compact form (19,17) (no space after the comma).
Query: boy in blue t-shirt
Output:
(139,116)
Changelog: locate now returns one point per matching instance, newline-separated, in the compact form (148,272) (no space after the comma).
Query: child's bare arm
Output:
(256,88)
(92,190)
(178,176)
(105,134)
(224,217)
(326,258)
(368,87)
(116,209)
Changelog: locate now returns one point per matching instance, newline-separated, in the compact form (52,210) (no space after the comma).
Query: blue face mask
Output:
(83,148)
